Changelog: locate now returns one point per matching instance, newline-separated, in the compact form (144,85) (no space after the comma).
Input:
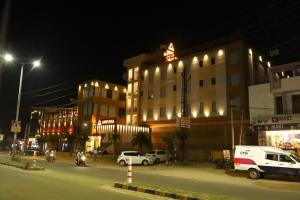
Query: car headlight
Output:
(51,154)
(83,158)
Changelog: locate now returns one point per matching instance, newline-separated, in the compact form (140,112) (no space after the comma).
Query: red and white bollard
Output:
(129,172)
(34,158)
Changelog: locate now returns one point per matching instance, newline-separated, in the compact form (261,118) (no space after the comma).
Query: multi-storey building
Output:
(101,111)
(219,71)
(53,121)
(275,108)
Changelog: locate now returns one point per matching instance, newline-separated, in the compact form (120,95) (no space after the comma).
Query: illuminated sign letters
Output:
(169,54)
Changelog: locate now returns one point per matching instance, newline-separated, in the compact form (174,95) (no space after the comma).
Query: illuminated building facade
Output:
(275,108)
(220,72)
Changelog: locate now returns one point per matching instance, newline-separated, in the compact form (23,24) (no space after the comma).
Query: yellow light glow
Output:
(250,52)
(283,132)
(206,113)
(92,83)
(221,112)
(195,60)
(157,69)
(288,76)
(282,73)
(269,64)
(96,84)
(106,86)
(155,117)
(124,90)
(85,85)
(145,118)
(169,116)
(169,67)
(146,72)
(260,58)
(8,57)
(194,114)
(178,114)
(180,64)
(220,52)
(205,57)
(79,88)
(116,88)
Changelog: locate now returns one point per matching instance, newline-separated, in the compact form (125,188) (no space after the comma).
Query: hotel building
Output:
(219,75)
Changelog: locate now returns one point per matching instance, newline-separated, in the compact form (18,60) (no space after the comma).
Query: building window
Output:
(85,108)
(130,75)
(103,110)
(128,104)
(91,91)
(174,88)
(234,58)
(279,105)
(213,81)
(235,79)
(150,94)
(122,112)
(97,91)
(201,109)
(136,73)
(174,69)
(150,113)
(135,88)
(236,102)
(90,108)
(141,94)
(163,92)
(296,103)
(201,63)
(142,77)
(122,97)
(174,111)
(151,76)
(135,105)
(201,83)
(128,119)
(134,119)
(111,111)
(212,61)
(163,74)
(85,92)
(162,112)
(129,88)
(109,94)
(95,112)
(213,107)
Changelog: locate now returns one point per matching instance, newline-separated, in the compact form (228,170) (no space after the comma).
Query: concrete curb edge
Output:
(154,192)
(22,167)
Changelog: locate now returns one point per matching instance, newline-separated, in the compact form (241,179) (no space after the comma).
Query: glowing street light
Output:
(8,57)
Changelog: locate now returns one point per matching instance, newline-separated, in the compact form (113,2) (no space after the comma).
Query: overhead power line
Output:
(54,99)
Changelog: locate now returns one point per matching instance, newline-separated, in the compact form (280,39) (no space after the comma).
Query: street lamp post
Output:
(36,63)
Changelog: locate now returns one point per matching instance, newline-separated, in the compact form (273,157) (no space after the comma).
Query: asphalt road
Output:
(65,181)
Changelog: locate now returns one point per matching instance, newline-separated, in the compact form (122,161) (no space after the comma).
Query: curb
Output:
(22,166)
(154,192)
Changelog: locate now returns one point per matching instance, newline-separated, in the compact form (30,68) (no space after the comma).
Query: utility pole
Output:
(232,126)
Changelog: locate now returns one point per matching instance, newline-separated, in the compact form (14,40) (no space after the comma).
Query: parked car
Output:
(30,152)
(260,160)
(137,158)
(158,155)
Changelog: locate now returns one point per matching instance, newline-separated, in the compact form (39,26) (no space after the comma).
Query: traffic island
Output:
(158,191)
(20,163)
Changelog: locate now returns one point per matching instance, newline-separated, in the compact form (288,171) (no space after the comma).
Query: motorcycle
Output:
(80,161)
(50,157)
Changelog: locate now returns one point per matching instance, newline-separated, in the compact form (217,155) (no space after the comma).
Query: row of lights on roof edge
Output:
(259,58)
(194,114)
(97,85)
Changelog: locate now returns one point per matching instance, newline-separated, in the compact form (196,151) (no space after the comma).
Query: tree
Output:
(141,139)
(71,140)
(182,135)
(41,140)
(114,138)
(169,140)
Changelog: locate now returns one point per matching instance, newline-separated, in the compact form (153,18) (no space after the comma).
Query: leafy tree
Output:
(170,140)
(141,139)
(114,138)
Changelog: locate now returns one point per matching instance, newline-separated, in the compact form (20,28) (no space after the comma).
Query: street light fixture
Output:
(34,64)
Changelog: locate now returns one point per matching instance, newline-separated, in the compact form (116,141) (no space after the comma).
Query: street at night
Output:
(62,180)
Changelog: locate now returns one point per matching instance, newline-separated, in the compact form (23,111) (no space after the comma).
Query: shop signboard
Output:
(111,121)
(275,119)
(183,122)
(15,126)
(274,127)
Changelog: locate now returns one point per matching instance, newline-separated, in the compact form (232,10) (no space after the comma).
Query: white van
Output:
(258,160)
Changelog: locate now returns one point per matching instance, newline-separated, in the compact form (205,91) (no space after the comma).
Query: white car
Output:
(136,157)
(158,155)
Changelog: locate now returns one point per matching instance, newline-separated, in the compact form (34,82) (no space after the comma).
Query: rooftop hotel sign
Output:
(169,54)
(111,121)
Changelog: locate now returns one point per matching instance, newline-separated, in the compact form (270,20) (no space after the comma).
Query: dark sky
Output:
(80,40)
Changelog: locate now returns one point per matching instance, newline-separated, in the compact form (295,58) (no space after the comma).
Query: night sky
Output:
(82,40)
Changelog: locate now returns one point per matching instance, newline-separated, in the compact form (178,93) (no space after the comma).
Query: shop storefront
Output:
(281,131)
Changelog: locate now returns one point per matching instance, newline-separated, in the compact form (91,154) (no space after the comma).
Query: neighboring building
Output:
(101,111)
(220,72)
(53,121)
(275,108)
